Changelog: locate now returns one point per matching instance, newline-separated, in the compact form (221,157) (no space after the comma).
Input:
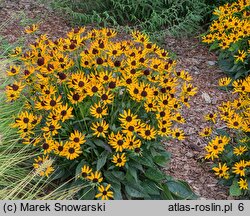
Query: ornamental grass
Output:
(96,108)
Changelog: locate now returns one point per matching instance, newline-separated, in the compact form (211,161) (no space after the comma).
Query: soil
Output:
(187,161)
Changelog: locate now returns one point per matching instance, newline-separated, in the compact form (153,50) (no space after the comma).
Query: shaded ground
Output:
(187,156)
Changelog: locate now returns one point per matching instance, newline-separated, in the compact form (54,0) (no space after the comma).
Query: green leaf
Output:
(119,175)
(134,192)
(136,165)
(117,191)
(166,194)
(235,189)
(154,174)
(102,144)
(181,190)
(143,160)
(102,159)
(79,167)
(87,193)
(214,46)
(150,187)
(161,160)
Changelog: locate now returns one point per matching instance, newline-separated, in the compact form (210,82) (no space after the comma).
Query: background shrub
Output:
(179,18)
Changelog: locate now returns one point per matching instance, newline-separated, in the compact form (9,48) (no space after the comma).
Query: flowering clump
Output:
(231,148)
(99,107)
(229,32)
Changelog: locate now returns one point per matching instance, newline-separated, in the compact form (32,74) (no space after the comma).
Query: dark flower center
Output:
(120,142)
(76,139)
(25,120)
(100,129)
(71,150)
(45,146)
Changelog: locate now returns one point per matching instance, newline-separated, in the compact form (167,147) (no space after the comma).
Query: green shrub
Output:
(229,34)
(229,148)
(96,110)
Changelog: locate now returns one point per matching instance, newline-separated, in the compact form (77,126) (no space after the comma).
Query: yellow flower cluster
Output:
(88,84)
(231,26)
(236,116)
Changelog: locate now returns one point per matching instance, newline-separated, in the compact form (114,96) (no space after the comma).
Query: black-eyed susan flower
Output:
(95,177)
(104,192)
(31,29)
(100,128)
(43,165)
(71,150)
(52,102)
(47,144)
(178,134)
(239,168)
(106,97)
(188,89)
(117,141)
(130,129)
(98,110)
(58,148)
(119,159)
(207,131)
(235,121)
(211,117)
(225,81)
(64,112)
(243,184)
(240,56)
(77,137)
(85,171)
(14,70)
(15,52)
(76,97)
(239,150)
(51,128)
(147,132)
(128,117)
(131,142)
(221,170)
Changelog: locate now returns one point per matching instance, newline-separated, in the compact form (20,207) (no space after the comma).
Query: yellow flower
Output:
(211,117)
(86,170)
(98,111)
(105,193)
(243,184)
(241,56)
(178,134)
(100,128)
(71,150)
(43,166)
(117,141)
(207,131)
(95,177)
(221,170)
(239,168)
(225,81)
(77,137)
(119,160)
(240,150)
(31,29)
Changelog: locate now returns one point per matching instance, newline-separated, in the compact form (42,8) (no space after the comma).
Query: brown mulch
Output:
(187,161)
(187,157)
